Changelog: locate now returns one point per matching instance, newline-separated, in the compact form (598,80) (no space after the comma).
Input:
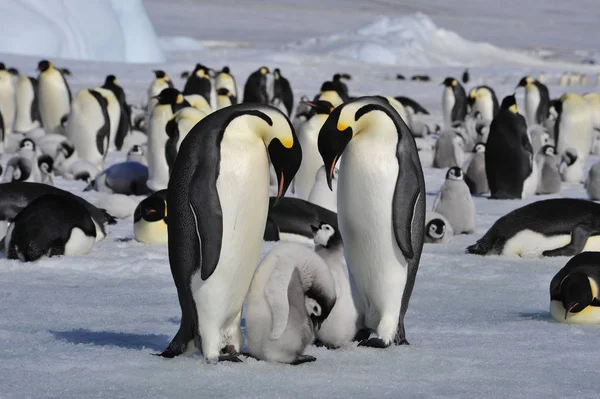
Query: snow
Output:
(87,326)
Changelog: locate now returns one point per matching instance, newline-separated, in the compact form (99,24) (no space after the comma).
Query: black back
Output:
(283,91)
(255,89)
(543,110)
(587,263)
(296,216)
(409,102)
(103,134)
(459,111)
(198,85)
(154,201)
(125,119)
(172,130)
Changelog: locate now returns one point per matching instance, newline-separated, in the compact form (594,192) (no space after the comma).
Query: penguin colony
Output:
(214,167)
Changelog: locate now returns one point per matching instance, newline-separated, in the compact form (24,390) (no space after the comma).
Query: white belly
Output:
(311,159)
(532,101)
(226,82)
(78,243)
(448,101)
(589,315)
(575,131)
(151,233)
(82,127)
(158,168)
(485,106)
(528,243)
(53,100)
(7,100)
(323,196)
(24,99)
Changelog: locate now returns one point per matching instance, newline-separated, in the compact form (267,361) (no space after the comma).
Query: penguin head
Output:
(111,80)
(436,228)
(320,107)
(2,66)
(319,299)
(526,81)
(277,73)
(171,96)
(46,163)
(263,70)
(479,148)
(325,235)
(160,74)
(454,173)
(202,71)
(226,70)
(577,292)
(339,76)
(136,150)
(510,103)
(21,168)
(27,144)
(66,149)
(152,209)
(450,82)
(13,71)
(44,65)
(570,156)
(549,150)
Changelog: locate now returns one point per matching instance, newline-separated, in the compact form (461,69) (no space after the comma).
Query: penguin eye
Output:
(316,310)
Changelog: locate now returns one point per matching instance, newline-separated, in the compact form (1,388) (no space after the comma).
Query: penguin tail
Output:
(481,247)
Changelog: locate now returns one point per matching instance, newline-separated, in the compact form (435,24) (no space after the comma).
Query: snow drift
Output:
(100,30)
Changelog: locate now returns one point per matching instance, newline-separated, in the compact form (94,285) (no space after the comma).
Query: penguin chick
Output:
(475,176)
(455,202)
(46,165)
(449,150)
(321,194)
(567,169)
(340,327)
(438,229)
(137,153)
(291,294)
(550,181)
(18,169)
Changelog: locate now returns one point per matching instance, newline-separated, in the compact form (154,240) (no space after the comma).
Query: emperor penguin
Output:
(509,165)
(592,184)
(255,89)
(137,153)
(177,128)
(124,124)
(7,98)
(161,81)
(381,210)
(169,102)
(198,102)
(454,201)
(46,166)
(549,179)
(483,99)
(225,98)
(321,194)
(311,160)
(150,219)
(292,294)
(27,114)
(438,229)
(218,198)
(88,127)
(574,293)
(475,176)
(339,329)
(573,129)
(454,102)
(332,93)
(283,96)
(200,82)
(537,100)
(225,80)
(553,227)
(54,96)
(465,76)
(114,114)
(128,178)
(19,169)
(303,112)
(50,225)
(338,79)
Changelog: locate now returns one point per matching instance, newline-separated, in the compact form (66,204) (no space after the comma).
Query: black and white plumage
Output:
(283,96)
(225,81)
(255,89)
(454,102)
(54,96)
(549,176)
(483,100)
(124,124)
(137,153)
(537,100)
(27,113)
(199,82)
(46,166)
(475,176)
(438,229)
(454,201)
(150,219)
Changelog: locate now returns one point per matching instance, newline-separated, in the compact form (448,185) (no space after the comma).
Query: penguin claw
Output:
(373,343)
(303,359)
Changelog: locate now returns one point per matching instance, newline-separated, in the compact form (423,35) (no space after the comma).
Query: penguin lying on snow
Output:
(438,229)
(554,227)
(127,178)
(291,295)
(574,292)
(50,225)
(150,219)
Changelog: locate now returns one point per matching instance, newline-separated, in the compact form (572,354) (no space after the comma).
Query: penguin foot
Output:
(373,343)
(230,358)
(362,335)
(318,343)
(303,359)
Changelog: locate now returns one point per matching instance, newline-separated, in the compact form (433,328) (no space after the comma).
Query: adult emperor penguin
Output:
(573,129)
(161,81)
(537,100)
(438,229)
(200,82)
(311,160)
(381,210)
(218,199)
(574,292)
(454,201)
(475,176)
(483,99)
(255,89)
(124,125)
(27,116)
(177,128)
(225,98)
(7,98)
(554,227)
(54,96)
(454,102)
(283,96)
(114,114)
(150,219)
(225,80)
(549,177)
(88,127)
(509,166)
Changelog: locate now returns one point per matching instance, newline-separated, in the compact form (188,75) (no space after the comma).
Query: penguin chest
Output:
(150,232)
(532,101)
(448,101)
(53,100)
(79,243)
(311,159)
(589,315)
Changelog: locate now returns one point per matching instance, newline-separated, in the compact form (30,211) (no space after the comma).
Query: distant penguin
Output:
(54,96)
(255,89)
(509,165)
(200,82)
(46,166)
(338,79)
(564,79)
(114,115)
(283,96)
(475,176)
(88,127)
(150,219)
(137,153)
(465,76)
(449,150)
(454,201)
(161,81)
(592,184)
(7,98)
(128,178)
(574,292)
(438,229)
(549,177)
(483,99)
(177,128)
(124,124)
(225,98)
(303,112)
(573,129)
(339,329)
(311,160)
(50,225)
(225,80)
(537,100)
(291,295)
(454,102)
(321,194)
(332,93)
(574,79)
(554,227)
(27,117)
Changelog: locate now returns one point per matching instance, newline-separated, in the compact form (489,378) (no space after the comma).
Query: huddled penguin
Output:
(454,102)
(573,129)
(592,184)
(19,169)
(537,100)
(255,89)
(137,153)
(50,225)
(554,227)
(7,98)
(475,176)
(177,128)
(161,81)
(339,329)
(449,150)
(199,82)
(438,230)
(549,179)
(54,96)
(27,114)
(225,98)
(321,194)
(128,178)
(124,124)
(218,201)
(225,81)
(88,127)
(46,166)
(291,295)
(283,96)
(574,292)
(65,157)
(338,79)
(510,169)
(454,201)
(311,160)
(381,210)
(150,219)
(483,99)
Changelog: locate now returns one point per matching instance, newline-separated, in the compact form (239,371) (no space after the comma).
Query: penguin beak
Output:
(286,162)
(332,142)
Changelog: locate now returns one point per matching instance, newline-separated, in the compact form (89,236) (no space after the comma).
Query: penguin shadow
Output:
(123,239)
(541,316)
(109,338)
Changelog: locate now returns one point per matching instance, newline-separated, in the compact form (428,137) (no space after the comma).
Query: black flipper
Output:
(579,237)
